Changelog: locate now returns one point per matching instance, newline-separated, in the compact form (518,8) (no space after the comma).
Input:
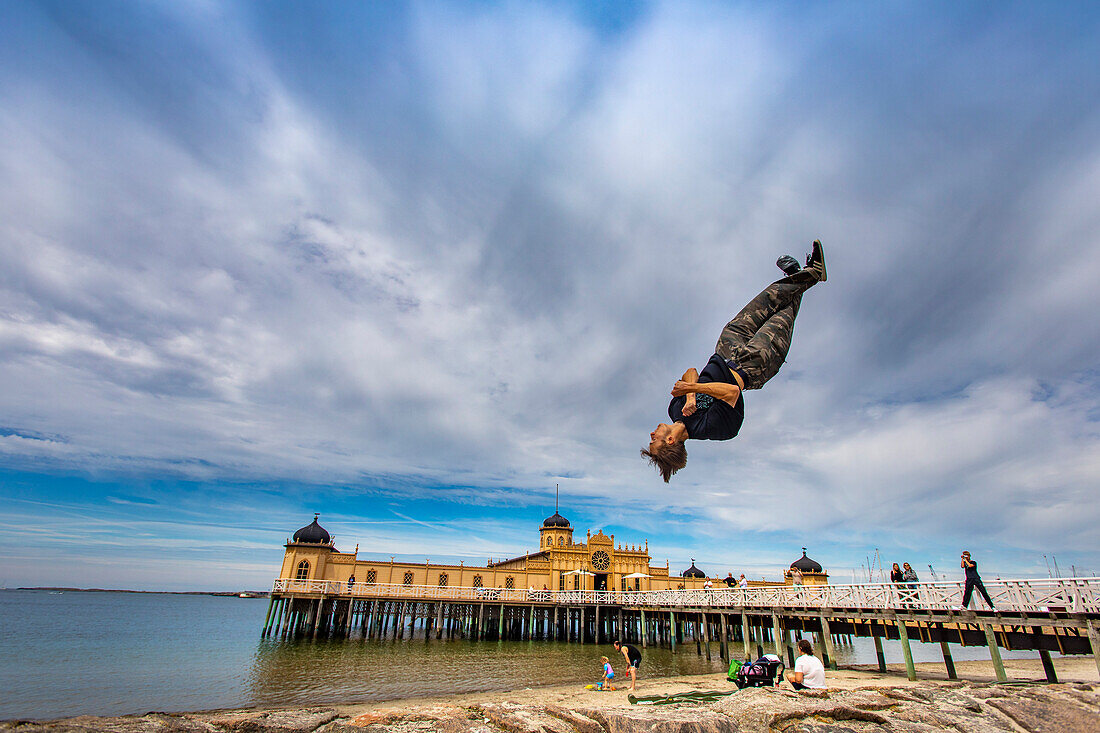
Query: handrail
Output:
(1076,595)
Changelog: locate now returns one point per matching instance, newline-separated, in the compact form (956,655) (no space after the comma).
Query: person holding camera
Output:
(973,580)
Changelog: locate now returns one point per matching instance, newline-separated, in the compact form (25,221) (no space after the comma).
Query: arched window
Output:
(442,580)
(372,576)
(561,540)
(477,581)
(408,580)
(549,540)
(509,583)
(303,570)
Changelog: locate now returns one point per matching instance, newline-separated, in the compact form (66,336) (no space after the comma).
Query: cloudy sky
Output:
(412,265)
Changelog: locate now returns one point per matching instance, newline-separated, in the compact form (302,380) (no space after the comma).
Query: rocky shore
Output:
(858,702)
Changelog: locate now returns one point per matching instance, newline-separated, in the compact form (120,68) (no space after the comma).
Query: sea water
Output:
(74,653)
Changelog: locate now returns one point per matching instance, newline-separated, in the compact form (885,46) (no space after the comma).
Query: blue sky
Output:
(412,265)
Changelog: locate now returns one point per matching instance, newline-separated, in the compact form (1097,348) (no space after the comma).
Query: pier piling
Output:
(994,653)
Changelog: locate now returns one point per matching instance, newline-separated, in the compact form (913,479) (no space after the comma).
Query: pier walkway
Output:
(1046,615)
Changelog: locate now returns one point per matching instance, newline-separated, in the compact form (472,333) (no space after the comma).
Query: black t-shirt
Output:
(971,572)
(632,653)
(717,420)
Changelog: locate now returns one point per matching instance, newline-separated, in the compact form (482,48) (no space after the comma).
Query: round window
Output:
(600,560)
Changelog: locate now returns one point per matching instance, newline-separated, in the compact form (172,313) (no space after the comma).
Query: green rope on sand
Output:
(678,697)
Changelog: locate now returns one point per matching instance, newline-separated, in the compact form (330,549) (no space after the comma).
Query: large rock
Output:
(767,708)
(663,719)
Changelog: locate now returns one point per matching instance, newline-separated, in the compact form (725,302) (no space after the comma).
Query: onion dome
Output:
(805,564)
(694,572)
(313,534)
(556,520)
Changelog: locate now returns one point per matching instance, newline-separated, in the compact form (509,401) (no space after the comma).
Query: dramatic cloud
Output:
(387,259)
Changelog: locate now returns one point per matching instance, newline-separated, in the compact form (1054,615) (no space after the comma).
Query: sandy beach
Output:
(1070,670)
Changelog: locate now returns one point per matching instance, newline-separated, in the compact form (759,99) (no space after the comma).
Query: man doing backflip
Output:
(710,405)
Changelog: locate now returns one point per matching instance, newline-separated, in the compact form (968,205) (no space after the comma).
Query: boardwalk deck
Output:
(1046,615)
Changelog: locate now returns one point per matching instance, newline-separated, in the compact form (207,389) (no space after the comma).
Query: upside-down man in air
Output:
(752,347)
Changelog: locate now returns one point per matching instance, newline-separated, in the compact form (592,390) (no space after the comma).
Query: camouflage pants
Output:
(758,338)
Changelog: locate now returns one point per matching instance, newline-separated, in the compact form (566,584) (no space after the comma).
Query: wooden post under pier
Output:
(878,650)
(945,649)
(903,635)
(1094,641)
(994,653)
(827,640)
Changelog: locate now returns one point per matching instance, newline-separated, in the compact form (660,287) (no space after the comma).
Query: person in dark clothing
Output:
(633,660)
(973,580)
(709,405)
(895,574)
(730,580)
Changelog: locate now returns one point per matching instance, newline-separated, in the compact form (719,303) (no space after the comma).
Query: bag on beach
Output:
(735,667)
(764,672)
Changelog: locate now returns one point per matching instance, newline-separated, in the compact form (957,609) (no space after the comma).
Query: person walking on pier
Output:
(633,660)
(973,580)
(809,672)
(709,405)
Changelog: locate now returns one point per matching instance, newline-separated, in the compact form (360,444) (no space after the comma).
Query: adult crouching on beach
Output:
(633,660)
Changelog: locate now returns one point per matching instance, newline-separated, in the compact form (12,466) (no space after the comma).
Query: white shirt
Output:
(743,583)
(813,671)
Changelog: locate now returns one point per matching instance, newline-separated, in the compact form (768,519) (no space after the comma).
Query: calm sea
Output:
(114,653)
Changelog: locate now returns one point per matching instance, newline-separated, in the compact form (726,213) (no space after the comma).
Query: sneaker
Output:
(789,265)
(816,261)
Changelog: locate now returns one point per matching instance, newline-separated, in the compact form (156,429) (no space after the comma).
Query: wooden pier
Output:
(1047,615)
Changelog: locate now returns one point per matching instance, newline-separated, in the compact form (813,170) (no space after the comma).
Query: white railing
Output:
(1076,595)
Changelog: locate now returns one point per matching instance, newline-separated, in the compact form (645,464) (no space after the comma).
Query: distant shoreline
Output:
(233,593)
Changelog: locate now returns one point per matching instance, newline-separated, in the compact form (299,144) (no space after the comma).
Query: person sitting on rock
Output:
(809,672)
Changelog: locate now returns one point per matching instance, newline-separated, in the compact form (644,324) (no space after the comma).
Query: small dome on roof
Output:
(805,564)
(313,534)
(556,520)
(693,572)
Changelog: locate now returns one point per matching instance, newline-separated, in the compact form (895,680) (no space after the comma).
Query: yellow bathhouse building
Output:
(561,563)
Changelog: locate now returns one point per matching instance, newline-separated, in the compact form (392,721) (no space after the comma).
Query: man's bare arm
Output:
(718,390)
(691,376)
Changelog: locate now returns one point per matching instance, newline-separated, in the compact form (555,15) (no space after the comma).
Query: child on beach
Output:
(608,675)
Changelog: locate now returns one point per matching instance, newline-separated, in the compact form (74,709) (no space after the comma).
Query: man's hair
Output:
(668,459)
(805,646)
